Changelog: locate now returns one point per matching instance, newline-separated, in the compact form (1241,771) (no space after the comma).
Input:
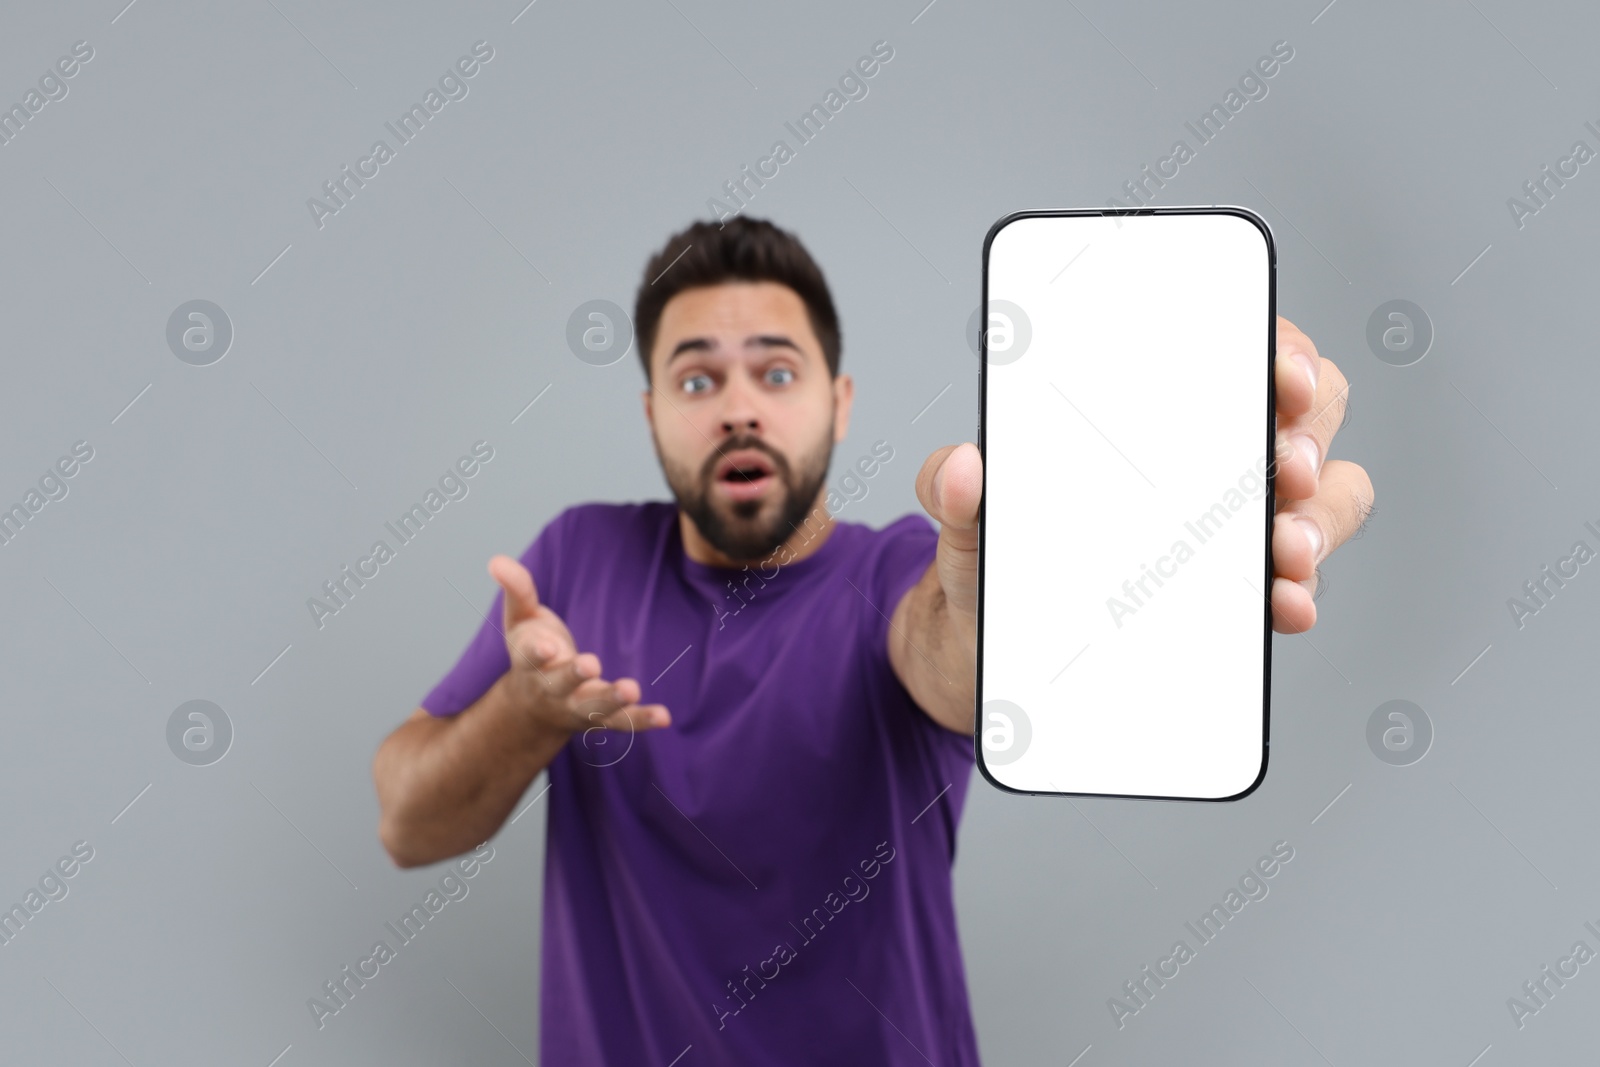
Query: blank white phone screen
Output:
(1127,434)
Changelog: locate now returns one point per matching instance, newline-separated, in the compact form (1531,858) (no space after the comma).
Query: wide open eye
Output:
(696,383)
(781,371)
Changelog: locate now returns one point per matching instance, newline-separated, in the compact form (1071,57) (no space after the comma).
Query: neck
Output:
(813,531)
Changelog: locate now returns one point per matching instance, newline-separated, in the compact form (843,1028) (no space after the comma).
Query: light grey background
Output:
(368,355)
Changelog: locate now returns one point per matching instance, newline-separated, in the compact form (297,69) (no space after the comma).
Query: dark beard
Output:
(741,536)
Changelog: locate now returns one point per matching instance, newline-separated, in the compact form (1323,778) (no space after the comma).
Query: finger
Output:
(637,717)
(1293,609)
(1310,434)
(614,706)
(1297,370)
(561,673)
(616,694)
(541,639)
(521,598)
(594,742)
(1306,531)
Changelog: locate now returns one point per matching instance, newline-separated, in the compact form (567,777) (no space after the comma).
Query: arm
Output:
(933,651)
(447,783)
(933,642)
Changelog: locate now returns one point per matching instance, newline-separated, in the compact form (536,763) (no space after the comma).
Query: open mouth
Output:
(745,474)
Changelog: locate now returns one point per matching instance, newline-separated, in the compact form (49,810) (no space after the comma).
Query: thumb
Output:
(522,599)
(949,487)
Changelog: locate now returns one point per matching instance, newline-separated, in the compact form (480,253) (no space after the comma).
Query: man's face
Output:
(743,413)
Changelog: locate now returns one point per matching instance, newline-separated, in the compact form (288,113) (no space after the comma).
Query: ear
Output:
(649,413)
(844,394)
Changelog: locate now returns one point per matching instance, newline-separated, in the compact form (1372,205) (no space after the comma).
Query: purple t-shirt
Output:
(767,880)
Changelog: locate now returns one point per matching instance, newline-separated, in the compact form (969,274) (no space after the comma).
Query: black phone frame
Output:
(1271,497)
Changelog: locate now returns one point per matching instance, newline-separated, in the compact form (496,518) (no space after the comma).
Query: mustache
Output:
(780,465)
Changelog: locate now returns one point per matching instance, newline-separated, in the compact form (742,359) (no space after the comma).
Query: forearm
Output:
(935,649)
(446,784)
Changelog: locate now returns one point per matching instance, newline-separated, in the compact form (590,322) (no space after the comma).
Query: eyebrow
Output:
(764,340)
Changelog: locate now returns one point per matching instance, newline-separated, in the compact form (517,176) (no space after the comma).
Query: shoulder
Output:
(907,538)
(605,522)
(909,527)
(892,559)
(585,539)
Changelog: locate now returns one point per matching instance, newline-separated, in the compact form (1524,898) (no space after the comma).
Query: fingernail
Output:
(1307,446)
(1313,535)
(1304,361)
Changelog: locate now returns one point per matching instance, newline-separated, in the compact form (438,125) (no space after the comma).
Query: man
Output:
(749,854)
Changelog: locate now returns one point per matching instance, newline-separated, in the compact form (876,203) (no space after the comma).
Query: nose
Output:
(739,415)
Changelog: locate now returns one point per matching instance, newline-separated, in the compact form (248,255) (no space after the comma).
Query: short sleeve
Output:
(485,658)
(907,549)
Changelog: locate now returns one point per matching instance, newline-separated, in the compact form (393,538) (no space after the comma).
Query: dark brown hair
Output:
(742,249)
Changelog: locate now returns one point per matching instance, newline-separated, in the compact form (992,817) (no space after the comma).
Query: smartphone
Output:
(1126,423)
